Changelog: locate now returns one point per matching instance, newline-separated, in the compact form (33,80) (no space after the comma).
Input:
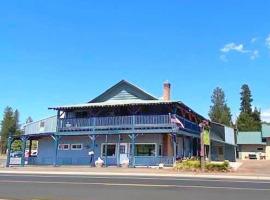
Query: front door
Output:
(123,152)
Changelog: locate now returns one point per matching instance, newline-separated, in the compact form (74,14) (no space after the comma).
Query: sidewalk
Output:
(114,171)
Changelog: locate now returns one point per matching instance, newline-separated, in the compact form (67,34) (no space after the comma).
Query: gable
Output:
(123,91)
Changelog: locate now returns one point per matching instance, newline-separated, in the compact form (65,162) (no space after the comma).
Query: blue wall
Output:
(81,157)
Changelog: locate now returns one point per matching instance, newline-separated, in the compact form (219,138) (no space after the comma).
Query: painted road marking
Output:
(137,178)
(138,185)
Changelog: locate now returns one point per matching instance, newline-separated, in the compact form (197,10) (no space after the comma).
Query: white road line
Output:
(138,185)
(138,178)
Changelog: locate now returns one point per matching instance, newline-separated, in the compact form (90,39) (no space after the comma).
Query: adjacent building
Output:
(254,145)
(123,124)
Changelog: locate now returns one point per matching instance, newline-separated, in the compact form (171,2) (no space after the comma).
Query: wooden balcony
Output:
(116,124)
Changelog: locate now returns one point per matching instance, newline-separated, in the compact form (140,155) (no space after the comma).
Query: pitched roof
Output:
(250,138)
(265,130)
(123,90)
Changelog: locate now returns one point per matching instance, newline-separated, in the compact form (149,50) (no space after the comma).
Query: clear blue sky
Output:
(64,52)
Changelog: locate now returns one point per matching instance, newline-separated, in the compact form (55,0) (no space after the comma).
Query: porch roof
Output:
(113,103)
(133,102)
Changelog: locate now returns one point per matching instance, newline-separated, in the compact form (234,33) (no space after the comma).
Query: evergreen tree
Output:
(248,120)
(219,111)
(246,99)
(256,115)
(29,120)
(7,127)
(10,127)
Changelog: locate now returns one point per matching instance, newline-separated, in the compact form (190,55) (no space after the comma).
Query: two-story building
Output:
(124,123)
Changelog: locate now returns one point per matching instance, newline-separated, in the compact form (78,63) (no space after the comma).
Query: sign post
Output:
(205,140)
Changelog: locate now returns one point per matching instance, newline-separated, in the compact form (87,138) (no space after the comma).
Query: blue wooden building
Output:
(123,123)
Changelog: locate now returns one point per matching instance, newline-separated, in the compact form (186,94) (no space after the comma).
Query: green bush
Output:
(194,165)
(224,166)
(188,165)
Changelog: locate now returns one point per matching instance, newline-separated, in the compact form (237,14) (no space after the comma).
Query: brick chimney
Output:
(166,91)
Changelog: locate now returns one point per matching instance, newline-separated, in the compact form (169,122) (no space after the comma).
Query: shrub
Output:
(194,165)
(188,165)
(224,166)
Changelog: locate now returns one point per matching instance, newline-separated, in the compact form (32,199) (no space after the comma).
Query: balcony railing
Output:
(47,125)
(136,122)
(114,122)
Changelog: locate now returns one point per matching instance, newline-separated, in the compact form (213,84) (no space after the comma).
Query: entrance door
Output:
(123,152)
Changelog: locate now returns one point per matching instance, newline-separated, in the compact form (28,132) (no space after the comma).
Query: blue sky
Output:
(64,52)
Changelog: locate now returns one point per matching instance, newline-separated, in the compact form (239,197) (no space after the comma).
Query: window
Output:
(76,147)
(111,148)
(42,124)
(263,139)
(63,147)
(145,150)
(260,149)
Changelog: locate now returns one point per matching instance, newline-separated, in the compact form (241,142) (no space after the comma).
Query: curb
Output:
(209,176)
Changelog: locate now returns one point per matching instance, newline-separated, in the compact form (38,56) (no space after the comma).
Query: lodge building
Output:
(124,123)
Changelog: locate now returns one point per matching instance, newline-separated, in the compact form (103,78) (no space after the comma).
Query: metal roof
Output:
(250,138)
(265,130)
(113,103)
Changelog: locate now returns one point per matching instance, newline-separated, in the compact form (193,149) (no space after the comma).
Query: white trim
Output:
(60,149)
(115,152)
(76,149)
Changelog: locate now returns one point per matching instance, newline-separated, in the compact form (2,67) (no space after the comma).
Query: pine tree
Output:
(246,99)
(248,120)
(219,111)
(29,120)
(10,126)
(7,127)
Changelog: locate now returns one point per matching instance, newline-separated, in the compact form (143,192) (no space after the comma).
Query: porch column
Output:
(92,157)
(23,140)
(10,140)
(197,147)
(132,150)
(30,147)
(106,150)
(118,150)
(56,139)
(184,153)
(174,148)
(191,146)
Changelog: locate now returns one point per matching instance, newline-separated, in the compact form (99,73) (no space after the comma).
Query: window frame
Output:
(145,143)
(76,149)
(60,149)
(103,153)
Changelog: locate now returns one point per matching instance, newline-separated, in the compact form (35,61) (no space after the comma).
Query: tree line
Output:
(10,126)
(248,120)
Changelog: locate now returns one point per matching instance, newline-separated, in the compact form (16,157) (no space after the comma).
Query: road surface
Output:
(67,187)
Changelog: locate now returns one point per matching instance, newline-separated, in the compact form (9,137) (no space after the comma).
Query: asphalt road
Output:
(66,187)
